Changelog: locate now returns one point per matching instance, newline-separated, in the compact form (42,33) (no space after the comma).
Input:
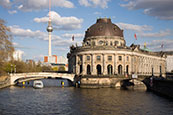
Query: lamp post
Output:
(11,68)
(14,68)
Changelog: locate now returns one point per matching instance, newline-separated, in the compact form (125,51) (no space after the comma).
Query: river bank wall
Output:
(112,82)
(4,81)
(160,86)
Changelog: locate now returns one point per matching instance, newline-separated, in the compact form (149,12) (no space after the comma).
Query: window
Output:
(93,43)
(100,28)
(111,43)
(98,58)
(88,57)
(106,43)
(116,43)
(119,58)
(80,57)
(127,58)
(101,42)
(134,59)
(110,58)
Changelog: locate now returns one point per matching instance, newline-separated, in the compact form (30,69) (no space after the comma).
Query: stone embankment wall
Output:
(4,81)
(163,87)
(100,82)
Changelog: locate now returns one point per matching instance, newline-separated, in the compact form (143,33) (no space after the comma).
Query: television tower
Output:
(49,29)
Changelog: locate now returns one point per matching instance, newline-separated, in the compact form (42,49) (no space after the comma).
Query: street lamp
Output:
(14,68)
(11,68)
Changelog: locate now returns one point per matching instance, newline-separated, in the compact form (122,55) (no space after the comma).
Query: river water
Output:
(75,101)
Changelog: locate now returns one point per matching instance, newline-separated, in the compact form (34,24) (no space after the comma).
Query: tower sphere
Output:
(49,28)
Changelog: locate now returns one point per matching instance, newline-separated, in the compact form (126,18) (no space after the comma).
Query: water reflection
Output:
(70,101)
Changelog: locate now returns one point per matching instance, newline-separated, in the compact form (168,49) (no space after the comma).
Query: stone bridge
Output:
(20,77)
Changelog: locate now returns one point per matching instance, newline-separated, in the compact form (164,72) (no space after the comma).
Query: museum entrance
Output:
(127,70)
(98,69)
(109,69)
(120,69)
(88,69)
(80,68)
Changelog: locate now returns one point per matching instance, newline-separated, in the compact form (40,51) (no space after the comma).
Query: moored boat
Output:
(38,84)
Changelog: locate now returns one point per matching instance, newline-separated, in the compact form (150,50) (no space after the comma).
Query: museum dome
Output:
(103,27)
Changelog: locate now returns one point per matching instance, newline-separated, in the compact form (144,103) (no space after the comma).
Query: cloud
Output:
(133,27)
(141,30)
(156,34)
(161,9)
(94,3)
(97,13)
(5,3)
(27,33)
(12,12)
(62,42)
(15,44)
(61,23)
(155,45)
(16,31)
(38,57)
(66,35)
(35,5)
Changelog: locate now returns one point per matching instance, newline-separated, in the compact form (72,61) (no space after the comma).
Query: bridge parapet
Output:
(16,76)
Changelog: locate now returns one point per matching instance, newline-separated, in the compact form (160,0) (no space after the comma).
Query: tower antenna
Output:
(49,29)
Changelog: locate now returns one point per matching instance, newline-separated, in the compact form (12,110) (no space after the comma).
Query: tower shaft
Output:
(50,45)
(49,29)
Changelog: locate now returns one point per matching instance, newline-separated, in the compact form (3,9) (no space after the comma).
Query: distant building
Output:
(104,52)
(169,61)
(58,63)
(59,67)
(51,59)
(17,55)
(30,61)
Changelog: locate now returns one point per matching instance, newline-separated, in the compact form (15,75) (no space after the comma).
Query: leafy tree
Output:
(61,68)
(55,68)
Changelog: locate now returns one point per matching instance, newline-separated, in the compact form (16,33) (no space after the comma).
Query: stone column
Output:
(104,65)
(113,68)
(131,64)
(124,69)
(83,65)
(77,66)
(92,64)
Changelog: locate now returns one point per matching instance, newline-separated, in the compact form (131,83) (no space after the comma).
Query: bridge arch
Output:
(39,75)
(137,83)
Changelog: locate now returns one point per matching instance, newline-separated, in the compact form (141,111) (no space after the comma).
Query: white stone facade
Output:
(109,56)
(169,63)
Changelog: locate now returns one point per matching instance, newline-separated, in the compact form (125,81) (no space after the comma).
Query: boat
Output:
(38,84)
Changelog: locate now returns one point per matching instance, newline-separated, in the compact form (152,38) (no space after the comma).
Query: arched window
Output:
(93,43)
(111,43)
(120,69)
(116,43)
(99,69)
(127,70)
(88,69)
(160,70)
(109,69)
(80,68)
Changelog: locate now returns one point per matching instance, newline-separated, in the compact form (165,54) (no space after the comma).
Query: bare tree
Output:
(6,46)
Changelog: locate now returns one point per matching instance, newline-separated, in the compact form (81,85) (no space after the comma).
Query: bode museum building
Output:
(104,53)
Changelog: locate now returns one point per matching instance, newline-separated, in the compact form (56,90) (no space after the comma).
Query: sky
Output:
(150,20)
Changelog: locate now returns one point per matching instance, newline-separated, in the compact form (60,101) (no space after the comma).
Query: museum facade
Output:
(104,52)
